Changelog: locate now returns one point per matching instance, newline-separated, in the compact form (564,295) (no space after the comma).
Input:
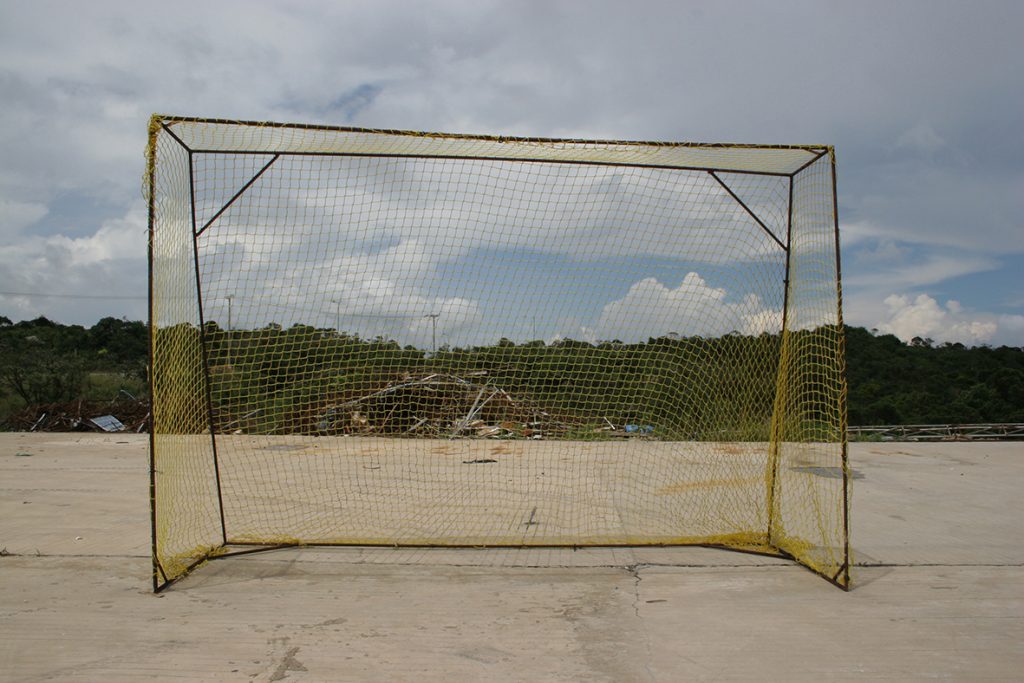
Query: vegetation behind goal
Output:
(395,338)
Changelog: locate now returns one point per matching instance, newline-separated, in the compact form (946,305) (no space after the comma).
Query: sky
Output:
(923,102)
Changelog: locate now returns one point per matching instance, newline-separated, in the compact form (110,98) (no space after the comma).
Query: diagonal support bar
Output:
(748,210)
(204,346)
(781,384)
(238,194)
(174,136)
(810,163)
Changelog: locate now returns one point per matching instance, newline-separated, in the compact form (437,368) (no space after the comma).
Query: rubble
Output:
(75,416)
(440,405)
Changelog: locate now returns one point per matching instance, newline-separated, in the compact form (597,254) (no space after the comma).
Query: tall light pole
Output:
(229,297)
(433,328)
(337,316)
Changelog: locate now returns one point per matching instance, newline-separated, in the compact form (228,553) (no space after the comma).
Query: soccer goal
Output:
(377,337)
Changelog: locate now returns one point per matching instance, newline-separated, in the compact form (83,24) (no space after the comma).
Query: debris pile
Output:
(121,414)
(440,405)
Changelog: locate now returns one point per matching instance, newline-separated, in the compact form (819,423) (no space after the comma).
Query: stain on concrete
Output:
(683,486)
(827,472)
(288,663)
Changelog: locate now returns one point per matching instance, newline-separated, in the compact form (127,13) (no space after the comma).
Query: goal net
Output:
(391,338)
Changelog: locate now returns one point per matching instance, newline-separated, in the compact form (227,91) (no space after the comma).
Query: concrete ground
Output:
(939,590)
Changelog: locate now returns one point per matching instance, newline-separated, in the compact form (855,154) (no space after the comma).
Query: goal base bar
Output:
(238,548)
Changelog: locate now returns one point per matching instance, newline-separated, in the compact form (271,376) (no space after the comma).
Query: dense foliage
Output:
(293,375)
(45,362)
(923,383)
(286,381)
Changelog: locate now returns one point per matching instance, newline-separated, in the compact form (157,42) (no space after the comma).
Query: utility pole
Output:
(433,328)
(229,297)
(337,316)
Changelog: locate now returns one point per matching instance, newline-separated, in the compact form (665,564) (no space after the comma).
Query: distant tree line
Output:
(290,376)
(46,362)
(275,380)
(926,383)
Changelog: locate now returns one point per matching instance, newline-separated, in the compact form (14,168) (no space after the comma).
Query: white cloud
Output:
(928,153)
(932,269)
(321,280)
(923,317)
(921,138)
(106,263)
(885,251)
(853,233)
(650,309)
(118,239)
(389,242)
(59,256)
(1011,327)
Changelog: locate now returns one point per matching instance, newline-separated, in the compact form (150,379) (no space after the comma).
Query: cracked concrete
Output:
(634,571)
(938,591)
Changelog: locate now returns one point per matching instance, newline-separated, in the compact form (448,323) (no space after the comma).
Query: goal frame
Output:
(162,130)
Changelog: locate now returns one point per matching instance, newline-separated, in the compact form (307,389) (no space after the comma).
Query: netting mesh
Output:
(367,337)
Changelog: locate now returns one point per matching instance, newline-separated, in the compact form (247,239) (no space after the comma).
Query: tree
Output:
(38,373)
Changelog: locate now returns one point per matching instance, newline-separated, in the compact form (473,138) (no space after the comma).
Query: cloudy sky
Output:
(923,100)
